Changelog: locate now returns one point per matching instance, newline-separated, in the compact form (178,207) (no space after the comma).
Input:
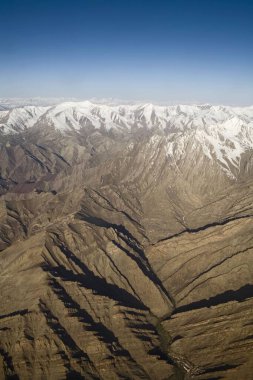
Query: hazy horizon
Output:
(160,52)
(48,101)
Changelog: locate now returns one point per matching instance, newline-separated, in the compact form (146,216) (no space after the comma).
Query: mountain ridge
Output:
(223,132)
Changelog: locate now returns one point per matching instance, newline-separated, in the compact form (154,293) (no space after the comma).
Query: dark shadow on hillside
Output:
(239,295)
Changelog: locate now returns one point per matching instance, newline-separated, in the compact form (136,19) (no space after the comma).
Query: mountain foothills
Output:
(126,242)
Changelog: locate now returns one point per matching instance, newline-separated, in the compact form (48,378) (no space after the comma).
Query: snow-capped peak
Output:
(223,132)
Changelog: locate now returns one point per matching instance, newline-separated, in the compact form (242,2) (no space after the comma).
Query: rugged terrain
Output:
(126,242)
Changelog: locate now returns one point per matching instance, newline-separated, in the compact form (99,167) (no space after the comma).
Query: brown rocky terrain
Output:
(125,254)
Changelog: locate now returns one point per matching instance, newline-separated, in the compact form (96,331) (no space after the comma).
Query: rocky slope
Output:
(126,242)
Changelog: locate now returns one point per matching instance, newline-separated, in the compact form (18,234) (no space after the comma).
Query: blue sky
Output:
(163,51)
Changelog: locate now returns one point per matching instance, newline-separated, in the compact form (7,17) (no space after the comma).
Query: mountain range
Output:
(126,241)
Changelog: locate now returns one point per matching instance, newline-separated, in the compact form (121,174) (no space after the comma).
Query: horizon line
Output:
(54,100)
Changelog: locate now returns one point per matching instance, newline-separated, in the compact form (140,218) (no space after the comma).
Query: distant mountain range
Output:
(224,133)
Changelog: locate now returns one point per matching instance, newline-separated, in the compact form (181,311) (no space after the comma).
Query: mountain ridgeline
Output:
(126,242)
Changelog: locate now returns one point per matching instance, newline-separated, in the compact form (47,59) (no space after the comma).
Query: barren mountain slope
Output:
(126,242)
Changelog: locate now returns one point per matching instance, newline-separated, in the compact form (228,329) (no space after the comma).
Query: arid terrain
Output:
(126,242)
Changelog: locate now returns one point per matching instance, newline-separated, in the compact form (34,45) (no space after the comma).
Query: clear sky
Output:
(161,50)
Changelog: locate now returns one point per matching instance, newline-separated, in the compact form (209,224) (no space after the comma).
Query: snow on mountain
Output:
(223,132)
(19,119)
(70,115)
